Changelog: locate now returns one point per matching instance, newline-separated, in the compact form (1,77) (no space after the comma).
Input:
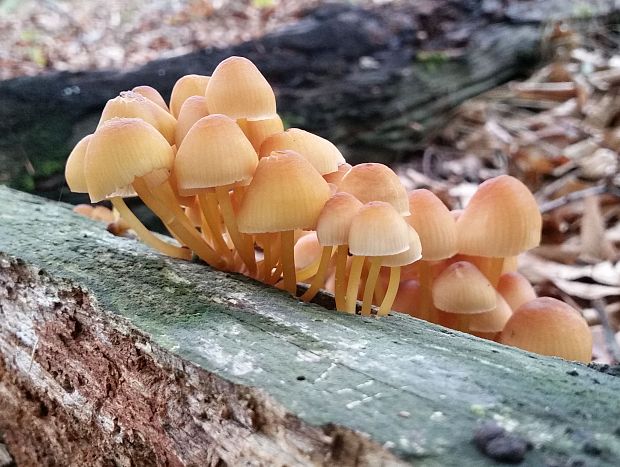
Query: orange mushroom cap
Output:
(376,182)
(502,219)
(130,104)
(462,288)
(322,153)
(238,89)
(434,224)
(549,327)
(286,193)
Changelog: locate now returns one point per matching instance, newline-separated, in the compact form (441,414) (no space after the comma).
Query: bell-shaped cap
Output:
(153,95)
(501,219)
(411,255)
(286,193)
(133,105)
(258,131)
(491,321)
(549,327)
(192,110)
(74,168)
(334,222)
(238,89)
(434,224)
(515,289)
(376,182)
(378,230)
(215,152)
(462,288)
(185,87)
(119,151)
(322,154)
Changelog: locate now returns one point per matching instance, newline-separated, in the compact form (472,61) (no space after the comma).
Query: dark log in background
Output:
(373,81)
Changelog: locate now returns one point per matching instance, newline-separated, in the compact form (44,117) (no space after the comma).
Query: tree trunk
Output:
(111,354)
(373,81)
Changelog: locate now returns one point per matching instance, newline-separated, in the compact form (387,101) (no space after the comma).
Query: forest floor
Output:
(39,35)
(558,130)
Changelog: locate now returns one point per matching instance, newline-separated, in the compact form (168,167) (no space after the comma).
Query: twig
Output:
(610,338)
(34,350)
(576,196)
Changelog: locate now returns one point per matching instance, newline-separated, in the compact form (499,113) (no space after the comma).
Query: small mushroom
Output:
(286,193)
(549,327)
(215,156)
(502,219)
(332,228)
(377,230)
(462,289)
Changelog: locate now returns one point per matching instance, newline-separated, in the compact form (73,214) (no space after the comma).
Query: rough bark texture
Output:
(371,81)
(113,355)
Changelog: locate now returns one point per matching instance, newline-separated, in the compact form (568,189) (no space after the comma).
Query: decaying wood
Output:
(372,81)
(112,354)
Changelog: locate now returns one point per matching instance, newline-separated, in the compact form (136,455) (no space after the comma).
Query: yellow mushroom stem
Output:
(355,277)
(243,243)
(208,206)
(319,279)
(390,294)
(342,253)
(146,235)
(174,217)
(426,310)
(287,259)
(268,262)
(206,231)
(371,281)
(277,274)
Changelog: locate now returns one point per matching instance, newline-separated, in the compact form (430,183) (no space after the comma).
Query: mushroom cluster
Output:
(239,192)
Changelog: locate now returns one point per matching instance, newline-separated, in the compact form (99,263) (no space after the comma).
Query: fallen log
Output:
(373,81)
(111,354)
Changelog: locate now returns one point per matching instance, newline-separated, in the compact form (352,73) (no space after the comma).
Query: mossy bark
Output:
(111,353)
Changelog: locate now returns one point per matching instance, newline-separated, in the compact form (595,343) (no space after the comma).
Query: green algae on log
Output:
(113,353)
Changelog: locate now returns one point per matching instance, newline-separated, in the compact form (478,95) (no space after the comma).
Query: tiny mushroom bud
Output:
(549,327)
